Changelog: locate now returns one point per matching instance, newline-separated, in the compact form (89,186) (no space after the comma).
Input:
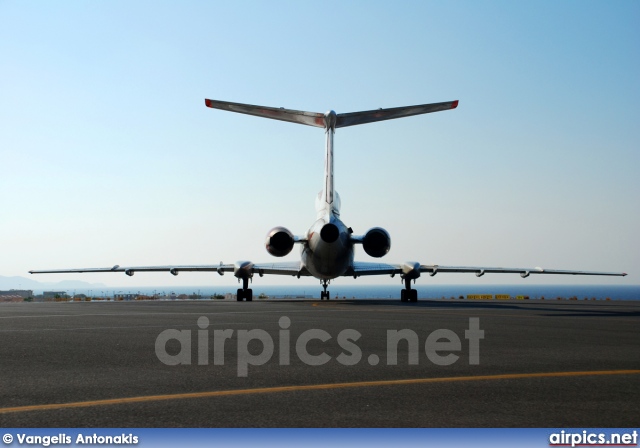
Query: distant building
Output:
(52,295)
(24,293)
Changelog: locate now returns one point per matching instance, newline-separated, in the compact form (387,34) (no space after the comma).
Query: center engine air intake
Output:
(376,242)
(329,233)
(279,241)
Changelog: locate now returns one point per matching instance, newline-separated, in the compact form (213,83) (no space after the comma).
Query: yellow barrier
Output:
(479,296)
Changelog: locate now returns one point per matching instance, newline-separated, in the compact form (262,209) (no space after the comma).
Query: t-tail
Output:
(328,200)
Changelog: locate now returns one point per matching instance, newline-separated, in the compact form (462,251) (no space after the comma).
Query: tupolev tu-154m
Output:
(327,249)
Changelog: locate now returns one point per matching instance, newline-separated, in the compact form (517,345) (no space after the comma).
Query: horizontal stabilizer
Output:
(371,116)
(276,113)
(318,119)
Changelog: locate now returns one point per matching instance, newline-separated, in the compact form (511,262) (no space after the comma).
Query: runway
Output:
(539,364)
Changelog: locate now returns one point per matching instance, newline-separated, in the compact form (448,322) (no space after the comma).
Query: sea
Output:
(581,292)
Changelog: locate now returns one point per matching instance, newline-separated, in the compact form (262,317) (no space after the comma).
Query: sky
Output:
(108,154)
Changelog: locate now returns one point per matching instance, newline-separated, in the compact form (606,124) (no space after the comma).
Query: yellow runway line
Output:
(271,390)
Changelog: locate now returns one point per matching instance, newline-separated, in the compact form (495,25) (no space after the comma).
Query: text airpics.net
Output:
(591,438)
(440,346)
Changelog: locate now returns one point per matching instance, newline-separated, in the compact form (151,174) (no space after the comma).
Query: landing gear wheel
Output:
(408,294)
(327,295)
(322,295)
(240,295)
(248,294)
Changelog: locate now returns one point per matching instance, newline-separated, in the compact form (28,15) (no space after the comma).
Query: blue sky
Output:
(109,156)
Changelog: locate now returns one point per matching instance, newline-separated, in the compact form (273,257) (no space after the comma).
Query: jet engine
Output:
(376,242)
(279,241)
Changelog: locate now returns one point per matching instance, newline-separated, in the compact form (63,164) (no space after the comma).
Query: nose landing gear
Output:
(245,293)
(324,294)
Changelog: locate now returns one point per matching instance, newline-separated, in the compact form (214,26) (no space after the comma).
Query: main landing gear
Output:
(324,294)
(408,294)
(245,292)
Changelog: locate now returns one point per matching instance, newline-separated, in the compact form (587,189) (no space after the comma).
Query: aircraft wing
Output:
(129,270)
(366,268)
(284,268)
(294,268)
(411,268)
(524,272)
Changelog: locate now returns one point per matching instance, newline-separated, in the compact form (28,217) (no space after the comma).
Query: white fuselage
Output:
(328,251)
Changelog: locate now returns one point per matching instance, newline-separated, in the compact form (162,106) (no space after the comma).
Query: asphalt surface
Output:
(541,364)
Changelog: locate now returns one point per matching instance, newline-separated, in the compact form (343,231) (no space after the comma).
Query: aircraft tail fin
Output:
(275,113)
(371,116)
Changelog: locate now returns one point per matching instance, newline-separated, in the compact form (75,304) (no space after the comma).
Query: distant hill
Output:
(18,282)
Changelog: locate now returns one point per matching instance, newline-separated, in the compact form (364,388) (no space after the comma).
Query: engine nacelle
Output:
(279,241)
(376,242)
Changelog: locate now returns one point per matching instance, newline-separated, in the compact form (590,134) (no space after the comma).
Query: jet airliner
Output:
(327,249)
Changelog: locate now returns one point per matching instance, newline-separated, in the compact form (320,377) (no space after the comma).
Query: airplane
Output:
(327,249)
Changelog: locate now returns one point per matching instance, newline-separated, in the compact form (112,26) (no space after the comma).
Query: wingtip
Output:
(207,102)
(454,104)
